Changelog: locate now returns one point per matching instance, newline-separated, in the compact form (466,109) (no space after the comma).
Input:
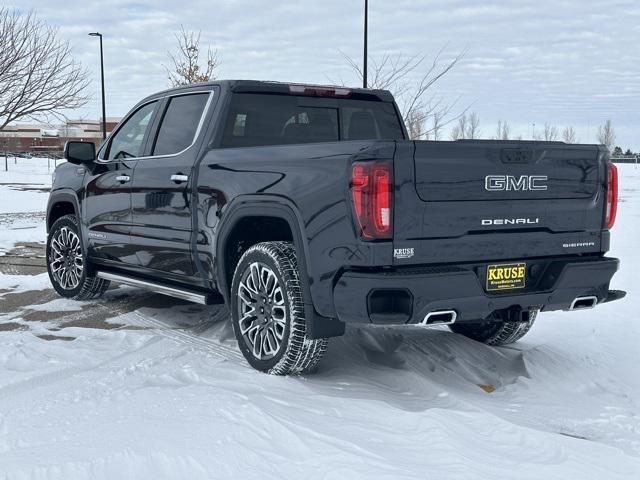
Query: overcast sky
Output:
(571,62)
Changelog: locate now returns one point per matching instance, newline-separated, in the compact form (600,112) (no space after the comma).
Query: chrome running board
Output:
(188,295)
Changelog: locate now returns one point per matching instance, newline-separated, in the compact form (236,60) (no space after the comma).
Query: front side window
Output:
(180,123)
(128,140)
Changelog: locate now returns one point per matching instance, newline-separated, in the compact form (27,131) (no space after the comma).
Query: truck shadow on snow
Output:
(410,366)
(403,366)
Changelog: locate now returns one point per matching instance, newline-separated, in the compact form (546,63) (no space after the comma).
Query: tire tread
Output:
(92,286)
(302,354)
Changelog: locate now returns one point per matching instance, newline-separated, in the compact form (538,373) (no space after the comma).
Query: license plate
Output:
(506,276)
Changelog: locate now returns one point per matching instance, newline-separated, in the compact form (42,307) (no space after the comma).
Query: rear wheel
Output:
(268,311)
(495,333)
(67,264)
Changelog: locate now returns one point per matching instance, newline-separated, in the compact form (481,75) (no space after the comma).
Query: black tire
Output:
(275,319)
(77,283)
(495,333)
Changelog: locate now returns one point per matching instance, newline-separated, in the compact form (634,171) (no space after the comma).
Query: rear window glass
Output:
(256,119)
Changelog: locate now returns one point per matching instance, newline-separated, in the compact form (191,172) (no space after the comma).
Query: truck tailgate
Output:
(474,200)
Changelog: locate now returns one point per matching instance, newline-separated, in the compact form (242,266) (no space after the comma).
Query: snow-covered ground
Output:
(23,199)
(23,188)
(166,394)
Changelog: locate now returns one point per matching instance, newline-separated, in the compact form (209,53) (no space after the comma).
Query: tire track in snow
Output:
(162,330)
(165,329)
(57,376)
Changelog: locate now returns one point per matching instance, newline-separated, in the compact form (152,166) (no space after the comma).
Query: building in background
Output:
(50,139)
(626,158)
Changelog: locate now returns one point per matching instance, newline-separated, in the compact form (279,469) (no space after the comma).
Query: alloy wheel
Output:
(262,311)
(65,258)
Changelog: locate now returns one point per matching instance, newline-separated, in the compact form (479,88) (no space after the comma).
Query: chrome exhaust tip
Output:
(583,303)
(440,317)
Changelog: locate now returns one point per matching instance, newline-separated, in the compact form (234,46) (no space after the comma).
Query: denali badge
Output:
(510,221)
(403,252)
(497,183)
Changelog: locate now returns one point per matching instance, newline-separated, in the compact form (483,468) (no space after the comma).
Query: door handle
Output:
(123,178)
(179,178)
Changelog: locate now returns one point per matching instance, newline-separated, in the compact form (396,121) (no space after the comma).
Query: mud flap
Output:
(322,327)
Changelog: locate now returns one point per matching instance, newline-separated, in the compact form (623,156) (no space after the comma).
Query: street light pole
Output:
(104,114)
(366,27)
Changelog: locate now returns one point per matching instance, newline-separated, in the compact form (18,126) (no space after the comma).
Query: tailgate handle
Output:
(516,155)
(179,178)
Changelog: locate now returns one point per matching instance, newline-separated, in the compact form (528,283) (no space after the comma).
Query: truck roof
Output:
(262,86)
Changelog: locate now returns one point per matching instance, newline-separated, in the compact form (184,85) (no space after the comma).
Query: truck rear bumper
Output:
(407,295)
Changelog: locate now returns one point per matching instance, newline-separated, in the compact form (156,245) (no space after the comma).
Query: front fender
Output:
(62,195)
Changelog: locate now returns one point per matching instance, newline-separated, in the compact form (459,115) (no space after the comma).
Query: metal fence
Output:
(52,158)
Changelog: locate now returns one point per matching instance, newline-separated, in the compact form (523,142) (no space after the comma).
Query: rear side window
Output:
(258,119)
(180,123)
(376,120)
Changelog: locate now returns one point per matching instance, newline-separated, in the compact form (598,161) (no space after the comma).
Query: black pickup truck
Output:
(304,208)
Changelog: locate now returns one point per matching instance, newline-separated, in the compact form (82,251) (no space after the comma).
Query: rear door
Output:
(487,200)
(161,192)
(107,196)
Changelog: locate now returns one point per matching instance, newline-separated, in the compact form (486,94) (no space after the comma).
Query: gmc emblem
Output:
(498,183)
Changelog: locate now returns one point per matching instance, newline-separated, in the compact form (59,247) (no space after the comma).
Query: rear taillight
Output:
(371,190)
(612,197)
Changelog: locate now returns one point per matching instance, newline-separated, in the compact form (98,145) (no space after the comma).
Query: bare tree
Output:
(550,132)
(454,134)
(473,126)
(436,125)
(411,80)
(186,67)
(38,75)
(467,127)
(569,135)
(606,134)
(503,130)
(415,126)
(459,130)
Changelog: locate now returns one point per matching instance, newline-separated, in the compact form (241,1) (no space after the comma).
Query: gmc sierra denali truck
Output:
(304,208)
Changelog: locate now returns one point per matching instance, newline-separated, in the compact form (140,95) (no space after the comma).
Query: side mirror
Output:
(79,152)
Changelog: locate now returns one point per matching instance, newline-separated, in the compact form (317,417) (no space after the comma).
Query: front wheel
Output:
(67,262)
(268,311)
(495,333)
